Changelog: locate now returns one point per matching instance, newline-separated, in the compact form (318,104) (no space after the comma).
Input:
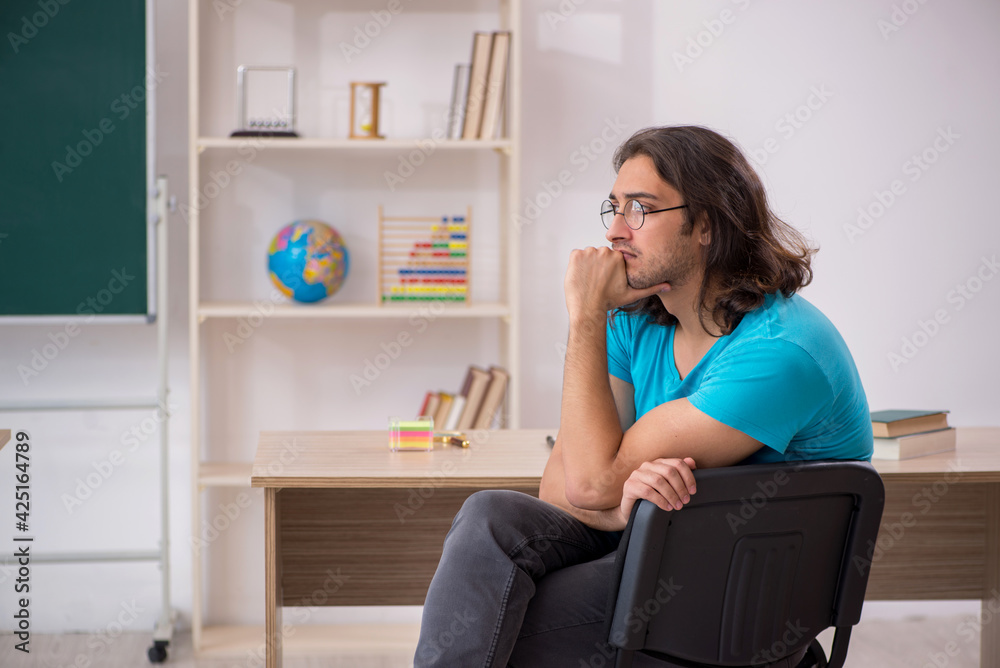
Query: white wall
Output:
(595,71)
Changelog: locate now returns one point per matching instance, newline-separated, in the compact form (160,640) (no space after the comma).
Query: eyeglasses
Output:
(634,213)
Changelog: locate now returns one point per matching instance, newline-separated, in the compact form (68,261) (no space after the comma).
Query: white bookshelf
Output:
(215,43)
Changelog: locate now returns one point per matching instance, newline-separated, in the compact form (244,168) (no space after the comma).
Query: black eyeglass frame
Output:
(607,203)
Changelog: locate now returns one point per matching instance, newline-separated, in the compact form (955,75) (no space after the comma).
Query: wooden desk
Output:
(350,523)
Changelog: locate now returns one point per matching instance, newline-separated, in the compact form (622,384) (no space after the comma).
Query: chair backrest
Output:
(761,560)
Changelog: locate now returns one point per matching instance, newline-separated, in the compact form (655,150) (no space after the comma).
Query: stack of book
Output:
(901,434)
(474,407)
(479,88)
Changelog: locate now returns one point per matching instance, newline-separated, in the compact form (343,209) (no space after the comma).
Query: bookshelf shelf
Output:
(224,474)
(360,311)
(232,192)
(321,144)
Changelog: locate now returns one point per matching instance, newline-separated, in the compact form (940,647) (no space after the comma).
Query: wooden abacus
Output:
(423,258)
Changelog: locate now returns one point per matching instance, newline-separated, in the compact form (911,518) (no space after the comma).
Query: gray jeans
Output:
(521,583)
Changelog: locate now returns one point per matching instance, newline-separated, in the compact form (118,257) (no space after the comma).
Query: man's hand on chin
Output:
(596,282)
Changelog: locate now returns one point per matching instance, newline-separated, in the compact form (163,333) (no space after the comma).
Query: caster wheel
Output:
(158,652)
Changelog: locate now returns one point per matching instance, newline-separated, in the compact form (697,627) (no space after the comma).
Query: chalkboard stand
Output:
(163,632)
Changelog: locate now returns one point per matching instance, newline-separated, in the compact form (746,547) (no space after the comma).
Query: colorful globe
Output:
(308,260)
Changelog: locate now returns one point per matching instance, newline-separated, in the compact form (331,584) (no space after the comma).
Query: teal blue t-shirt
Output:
(784,376)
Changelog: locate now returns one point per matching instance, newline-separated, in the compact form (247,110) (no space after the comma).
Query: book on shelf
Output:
(425,404)
(454,412)
(431,403)
(493,399)
(496,85)
(473,389)
(915,445)
(459,98)
(443,409)
(893,423)
(478,73)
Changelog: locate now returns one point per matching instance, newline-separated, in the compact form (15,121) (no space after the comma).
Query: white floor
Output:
(940,642)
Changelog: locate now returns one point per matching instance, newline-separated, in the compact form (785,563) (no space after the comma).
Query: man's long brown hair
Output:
(752,253)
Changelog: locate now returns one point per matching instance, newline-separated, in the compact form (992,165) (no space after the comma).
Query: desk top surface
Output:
(516,458)
(495,458)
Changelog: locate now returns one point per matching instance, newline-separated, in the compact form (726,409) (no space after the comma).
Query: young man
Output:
(688,347)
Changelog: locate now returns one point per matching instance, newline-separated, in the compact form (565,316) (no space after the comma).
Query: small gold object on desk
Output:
(456,438)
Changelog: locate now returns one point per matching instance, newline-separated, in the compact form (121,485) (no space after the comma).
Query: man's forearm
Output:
(589,429)
(608,519)
(602,520)
(553,490)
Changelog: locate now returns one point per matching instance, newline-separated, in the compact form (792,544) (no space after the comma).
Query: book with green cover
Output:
(893,423)
(896,415)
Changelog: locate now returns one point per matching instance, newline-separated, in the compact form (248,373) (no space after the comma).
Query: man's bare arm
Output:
(553,488)
(675,429)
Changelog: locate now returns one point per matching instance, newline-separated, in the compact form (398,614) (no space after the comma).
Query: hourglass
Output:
(364,110)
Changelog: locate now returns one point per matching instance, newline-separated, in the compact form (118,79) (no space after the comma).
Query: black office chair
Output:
(761,560)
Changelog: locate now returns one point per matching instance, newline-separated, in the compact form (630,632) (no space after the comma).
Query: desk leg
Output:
(272,577)
(990,639)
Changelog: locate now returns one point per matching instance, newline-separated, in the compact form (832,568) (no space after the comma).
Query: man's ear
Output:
(703,229)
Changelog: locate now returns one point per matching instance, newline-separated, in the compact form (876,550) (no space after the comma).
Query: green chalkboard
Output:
(73,184)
